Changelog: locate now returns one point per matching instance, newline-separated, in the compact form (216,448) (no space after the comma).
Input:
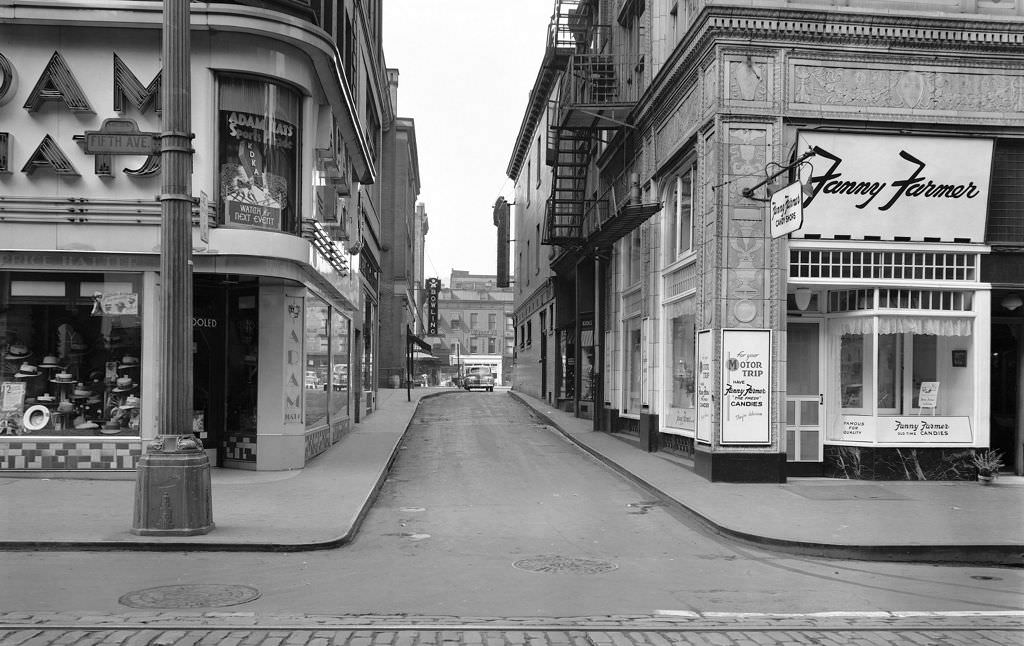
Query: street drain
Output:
(190,595)
(564,564)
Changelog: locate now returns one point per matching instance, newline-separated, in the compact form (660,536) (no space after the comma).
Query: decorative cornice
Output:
(780,27)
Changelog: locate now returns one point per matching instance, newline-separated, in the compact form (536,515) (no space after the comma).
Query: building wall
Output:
(118,221)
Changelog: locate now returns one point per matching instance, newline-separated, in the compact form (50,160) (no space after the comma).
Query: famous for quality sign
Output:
(896,186)
(746,386)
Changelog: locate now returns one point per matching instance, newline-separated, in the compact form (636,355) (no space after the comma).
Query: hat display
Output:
(82,424)
(65,407)
(123,385)
(110,428)
(129,362)
(130,402)
(27,370)
(46,398)
(17,351)
(80,391)
(50,361)
(36,418)
(63,377)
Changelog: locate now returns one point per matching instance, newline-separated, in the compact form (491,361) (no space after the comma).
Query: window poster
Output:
(259,139)
(746,387)
(705,384)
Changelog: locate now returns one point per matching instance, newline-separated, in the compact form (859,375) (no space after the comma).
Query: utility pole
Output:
(172,485)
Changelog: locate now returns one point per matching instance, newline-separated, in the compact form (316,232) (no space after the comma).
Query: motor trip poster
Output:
(746,386)
(257,169)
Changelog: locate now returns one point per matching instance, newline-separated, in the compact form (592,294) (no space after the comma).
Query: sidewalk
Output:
(321,506)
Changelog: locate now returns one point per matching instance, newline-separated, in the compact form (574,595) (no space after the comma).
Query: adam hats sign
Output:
(890,186)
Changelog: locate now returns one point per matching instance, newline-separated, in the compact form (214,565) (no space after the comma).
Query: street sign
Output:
(786,213)
(121,137)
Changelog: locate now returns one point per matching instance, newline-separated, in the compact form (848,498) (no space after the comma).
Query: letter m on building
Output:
(128,88)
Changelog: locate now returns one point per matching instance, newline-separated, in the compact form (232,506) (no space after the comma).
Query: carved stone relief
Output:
(678,126)
(748,149)
(749,79)
(710,87)
(906,90)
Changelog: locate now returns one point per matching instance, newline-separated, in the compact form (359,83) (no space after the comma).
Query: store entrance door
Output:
(804,398)
(209,325)
(1006,365)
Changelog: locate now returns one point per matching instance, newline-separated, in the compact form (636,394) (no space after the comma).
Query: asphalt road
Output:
(489,513)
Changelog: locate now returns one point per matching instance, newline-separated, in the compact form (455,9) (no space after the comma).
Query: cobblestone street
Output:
(696,629)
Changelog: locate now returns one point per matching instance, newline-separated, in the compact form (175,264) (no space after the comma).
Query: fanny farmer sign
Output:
(861,185)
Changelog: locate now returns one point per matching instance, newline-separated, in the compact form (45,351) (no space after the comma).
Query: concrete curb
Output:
(184,546)
(978,555)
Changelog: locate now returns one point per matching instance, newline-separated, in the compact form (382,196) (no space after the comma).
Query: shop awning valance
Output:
(937,325)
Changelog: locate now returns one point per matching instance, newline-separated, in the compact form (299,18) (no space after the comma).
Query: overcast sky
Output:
(466,68)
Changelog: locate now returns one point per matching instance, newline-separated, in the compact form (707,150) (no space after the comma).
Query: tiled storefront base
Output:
(322,439)
(887,463)
(66,454)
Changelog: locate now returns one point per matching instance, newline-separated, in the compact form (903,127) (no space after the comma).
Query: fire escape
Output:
(597,92)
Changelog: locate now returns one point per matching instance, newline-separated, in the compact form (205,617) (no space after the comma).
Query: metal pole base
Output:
(172,489)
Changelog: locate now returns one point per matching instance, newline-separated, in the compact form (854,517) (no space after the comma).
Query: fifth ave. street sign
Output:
(786,210)
(121,137)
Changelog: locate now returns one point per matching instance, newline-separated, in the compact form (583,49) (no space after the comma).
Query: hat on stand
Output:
(130,402)
(128,361)
(63,377)
(17,351)
(123,385)
(81,392)
(50,361)
(26,371)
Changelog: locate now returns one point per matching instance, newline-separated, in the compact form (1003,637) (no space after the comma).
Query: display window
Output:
(902,377)
(259,137)
(338,399)
(70,354)
(318,362)
(634,375)
(680,369)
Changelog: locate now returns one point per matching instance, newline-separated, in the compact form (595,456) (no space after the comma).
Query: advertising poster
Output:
(746,386)
(259,136)
(705,396)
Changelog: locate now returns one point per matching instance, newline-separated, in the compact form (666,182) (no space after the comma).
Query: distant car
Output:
(478,378)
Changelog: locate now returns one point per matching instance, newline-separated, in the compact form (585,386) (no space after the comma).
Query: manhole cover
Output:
(194,595)
(560,564)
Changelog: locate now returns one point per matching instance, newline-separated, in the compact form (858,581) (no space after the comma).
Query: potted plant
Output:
(987,463)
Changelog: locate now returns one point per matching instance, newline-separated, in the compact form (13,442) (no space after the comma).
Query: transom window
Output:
(894,265)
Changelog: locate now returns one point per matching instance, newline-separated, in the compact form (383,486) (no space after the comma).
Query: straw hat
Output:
(17,351)
(27,370)
(50,361)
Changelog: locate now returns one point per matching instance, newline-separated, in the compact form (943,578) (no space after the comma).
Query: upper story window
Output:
(632,248)
(258,154)
(678,200)
(474,320)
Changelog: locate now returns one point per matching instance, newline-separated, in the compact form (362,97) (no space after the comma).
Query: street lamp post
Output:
(172,486)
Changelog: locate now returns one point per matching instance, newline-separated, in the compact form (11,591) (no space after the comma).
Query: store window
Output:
(318,362)
(885,361)
(633,366)
(680,412)
(71,354)
(259,138)
(338,400)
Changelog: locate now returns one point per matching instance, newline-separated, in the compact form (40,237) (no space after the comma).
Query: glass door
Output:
(804,392)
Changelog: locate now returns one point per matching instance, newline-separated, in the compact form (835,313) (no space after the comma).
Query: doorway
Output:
(225,339)
(805,401)
(1005,393)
